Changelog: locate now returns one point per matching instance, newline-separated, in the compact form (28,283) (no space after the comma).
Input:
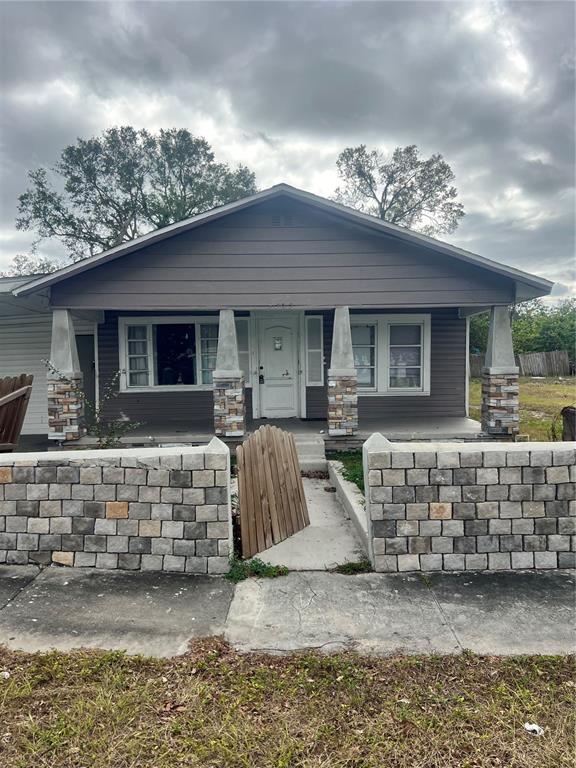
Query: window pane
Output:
(314,365)
(404,356)
(405,334)
(365,377)
(137,348)
(137,332)
(363,356)
(209,331)
(362,334)
(314,332)
(138,379)
(175,354)
(138,363)
(242,334)
(405,378)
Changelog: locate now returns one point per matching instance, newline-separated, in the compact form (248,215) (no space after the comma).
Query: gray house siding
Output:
(181,411)
(447,375)
(281,254)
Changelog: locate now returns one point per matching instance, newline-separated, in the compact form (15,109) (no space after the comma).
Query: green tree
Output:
(402,189)
(536,327)
(112,188)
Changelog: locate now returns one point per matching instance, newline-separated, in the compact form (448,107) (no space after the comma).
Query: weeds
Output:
(352,567)
(244,569)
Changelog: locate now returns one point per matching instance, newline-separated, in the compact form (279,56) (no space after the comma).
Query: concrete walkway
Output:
(330,538)
(157,614)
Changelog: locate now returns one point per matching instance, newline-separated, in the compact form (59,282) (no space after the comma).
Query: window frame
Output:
(197,320)
(383,322)
(307,349)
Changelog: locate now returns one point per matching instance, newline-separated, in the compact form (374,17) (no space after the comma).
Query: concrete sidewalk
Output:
(489,613)
(158,614)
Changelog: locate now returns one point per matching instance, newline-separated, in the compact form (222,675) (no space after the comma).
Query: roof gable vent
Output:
(282,221)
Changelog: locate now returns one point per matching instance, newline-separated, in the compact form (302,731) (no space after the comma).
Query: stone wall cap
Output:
(378,443)
(101,453)
(217,446)
(469,447)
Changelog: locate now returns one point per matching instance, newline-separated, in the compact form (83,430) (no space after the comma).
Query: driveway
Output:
(158,614)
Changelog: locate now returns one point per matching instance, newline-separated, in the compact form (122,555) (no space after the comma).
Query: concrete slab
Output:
(328,540)
(509,613)
(371,613)
(151,613)
(13,578)
(387,613)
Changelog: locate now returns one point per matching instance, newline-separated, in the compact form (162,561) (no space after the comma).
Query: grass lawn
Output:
(541,401)
(214,708)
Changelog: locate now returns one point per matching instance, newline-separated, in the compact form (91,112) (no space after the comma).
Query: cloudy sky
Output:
(283,87)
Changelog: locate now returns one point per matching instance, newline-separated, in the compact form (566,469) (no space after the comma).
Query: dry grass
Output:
(541,401)
(216,708)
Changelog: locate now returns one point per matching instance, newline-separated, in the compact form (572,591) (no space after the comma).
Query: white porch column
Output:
(64,380)
(228,379)
(500,378)
(342,379)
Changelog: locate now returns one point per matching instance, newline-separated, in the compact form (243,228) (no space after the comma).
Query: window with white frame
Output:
(405,356)
(174,352)
(392,353)
(364,346)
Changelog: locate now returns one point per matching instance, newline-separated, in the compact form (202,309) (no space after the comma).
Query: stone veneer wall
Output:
(342,405)
(459,506)
(160,509)
(65,408)
(500,409)
(229,407)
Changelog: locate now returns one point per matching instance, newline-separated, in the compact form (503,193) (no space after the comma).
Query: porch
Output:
(336,376)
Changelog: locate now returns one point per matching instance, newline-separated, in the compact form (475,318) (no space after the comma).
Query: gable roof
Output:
(532,285)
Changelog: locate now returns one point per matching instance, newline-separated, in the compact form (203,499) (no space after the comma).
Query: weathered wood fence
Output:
(270,492)
(554,363)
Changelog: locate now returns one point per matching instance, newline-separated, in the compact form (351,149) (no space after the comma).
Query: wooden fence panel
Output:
(554,363)
(270,491)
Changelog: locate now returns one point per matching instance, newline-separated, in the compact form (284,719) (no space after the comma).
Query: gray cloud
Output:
(284,86)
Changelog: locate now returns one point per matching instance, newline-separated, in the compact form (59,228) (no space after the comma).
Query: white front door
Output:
(278,366)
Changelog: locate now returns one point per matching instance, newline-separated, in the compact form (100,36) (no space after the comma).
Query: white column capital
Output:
(342,359)
(227,364)
(63,349)
(499,349)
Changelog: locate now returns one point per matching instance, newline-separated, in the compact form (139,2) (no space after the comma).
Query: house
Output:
(282,305)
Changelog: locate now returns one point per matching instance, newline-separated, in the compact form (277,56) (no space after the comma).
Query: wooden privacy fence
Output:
(554,363)
(270,492)
(14,396)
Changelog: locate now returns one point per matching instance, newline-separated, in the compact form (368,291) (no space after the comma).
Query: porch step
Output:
(311,454)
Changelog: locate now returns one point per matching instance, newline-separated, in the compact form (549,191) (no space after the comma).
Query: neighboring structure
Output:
(338,316)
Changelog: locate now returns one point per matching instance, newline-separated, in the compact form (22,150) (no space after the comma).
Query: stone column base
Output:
(229,407)
(65,408)
(500,414)
(342,405)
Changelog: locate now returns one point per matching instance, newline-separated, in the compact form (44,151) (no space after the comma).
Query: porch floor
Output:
(399,429)
(429,428)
